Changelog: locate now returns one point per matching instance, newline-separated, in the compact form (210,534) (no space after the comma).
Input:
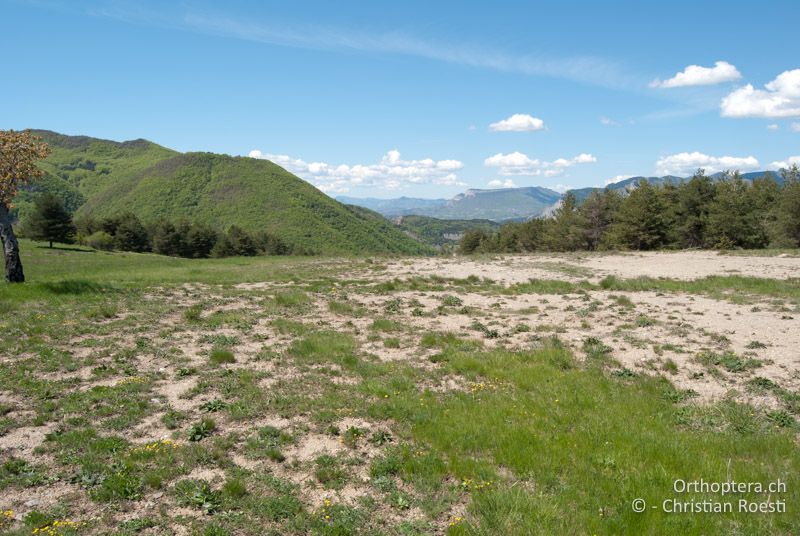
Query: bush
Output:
(100,240)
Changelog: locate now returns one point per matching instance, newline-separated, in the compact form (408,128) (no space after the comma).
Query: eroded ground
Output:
(294,406)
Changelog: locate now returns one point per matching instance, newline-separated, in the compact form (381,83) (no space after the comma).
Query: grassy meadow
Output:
(142,394)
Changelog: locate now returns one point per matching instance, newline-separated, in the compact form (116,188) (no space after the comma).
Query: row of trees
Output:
(698,213)
(51,222)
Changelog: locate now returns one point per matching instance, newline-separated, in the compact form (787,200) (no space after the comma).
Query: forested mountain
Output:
(101,178)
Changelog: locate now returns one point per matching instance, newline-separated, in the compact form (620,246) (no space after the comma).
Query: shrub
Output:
(100,240)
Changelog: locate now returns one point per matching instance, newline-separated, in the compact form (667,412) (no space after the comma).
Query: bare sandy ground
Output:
(676,265)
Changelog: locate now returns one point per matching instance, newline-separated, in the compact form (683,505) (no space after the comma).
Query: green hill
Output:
(102,178)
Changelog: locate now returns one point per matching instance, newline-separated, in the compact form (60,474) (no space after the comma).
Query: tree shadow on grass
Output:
(76,286)
(67,248)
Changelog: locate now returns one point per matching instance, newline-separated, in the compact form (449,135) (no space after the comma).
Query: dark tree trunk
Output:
(14,272)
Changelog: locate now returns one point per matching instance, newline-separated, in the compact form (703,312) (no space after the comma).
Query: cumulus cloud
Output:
(518,123)
(497,183)
(785,164)
(795,127)
(773,126)
(609,122)
(392,172)
(779,98)
(517,163)
(695,75)
(687,163)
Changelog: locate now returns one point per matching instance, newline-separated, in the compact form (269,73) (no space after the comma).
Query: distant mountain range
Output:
(497,205)
(507,204)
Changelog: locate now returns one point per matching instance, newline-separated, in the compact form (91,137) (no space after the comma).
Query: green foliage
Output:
(50,221)
(279,211)
(201,429)
(440,233)
(725,213)
(100,240)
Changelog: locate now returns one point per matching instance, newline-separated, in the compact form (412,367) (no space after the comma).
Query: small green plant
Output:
(670,366)
(202,429)
(212,406)
(220,356)
(267,443)
(755,345)
(391,342)
(329,472)
(234,488)
(393,306)
(781,418)
(623,373)
(729,361)
(452,301)
(595,349)
(199,495)
(172,419)
(352,435)
(643,321)
(193,313)
(380,437)
(185,372)
(623,301)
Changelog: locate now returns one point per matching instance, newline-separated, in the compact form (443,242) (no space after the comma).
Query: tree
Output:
(19,152)
(694,200)
(641,222)
(472,240)
(565,233)
(788,224)
(735,218)
(236,243)
(129,234)
(50,221)
(200,240)
(167,239)
(597,213)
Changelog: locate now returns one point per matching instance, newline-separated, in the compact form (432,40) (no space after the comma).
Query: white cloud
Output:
(518,123)
(785,164)
(687,163)
(391,173)
(609,122)
(780,98)
(695,75)
(795,127)
(497,183)
(517,163)
(561,188)
(773,126)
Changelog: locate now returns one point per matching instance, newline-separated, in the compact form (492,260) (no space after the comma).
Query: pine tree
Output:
(788,209)
(565,231)
(130,234)
(641,221)
(597,214)
(50,221)
(694,199)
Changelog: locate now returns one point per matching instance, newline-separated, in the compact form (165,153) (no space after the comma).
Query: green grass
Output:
(526,442)
(566,433)
(221,356)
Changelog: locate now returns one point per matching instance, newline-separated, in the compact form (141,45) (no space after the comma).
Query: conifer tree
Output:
(50,221)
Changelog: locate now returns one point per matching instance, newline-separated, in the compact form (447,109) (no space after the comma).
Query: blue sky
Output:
(413,98)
